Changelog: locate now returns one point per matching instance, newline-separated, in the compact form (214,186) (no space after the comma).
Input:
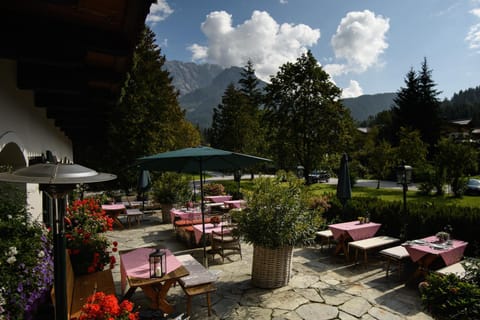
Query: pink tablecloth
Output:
(198,230)
(354,229)
(449,255)
(185,215)
(113,207)
(135,264)
(235,203)
(218,199)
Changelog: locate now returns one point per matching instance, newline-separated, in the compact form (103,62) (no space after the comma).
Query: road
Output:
(360,182)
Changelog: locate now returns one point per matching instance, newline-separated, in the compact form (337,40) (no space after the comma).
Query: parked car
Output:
(473,187)
(317,176)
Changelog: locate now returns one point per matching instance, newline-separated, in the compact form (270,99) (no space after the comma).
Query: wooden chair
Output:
(227,241)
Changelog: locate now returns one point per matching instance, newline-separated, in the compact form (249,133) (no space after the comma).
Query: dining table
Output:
(185,214)
(114,211)
(209,228)
(234,204)
(218,199)
(351,231)
(135,272)
(430,251)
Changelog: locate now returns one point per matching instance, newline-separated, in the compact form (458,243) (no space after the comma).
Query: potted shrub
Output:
(171,188)
(277,218)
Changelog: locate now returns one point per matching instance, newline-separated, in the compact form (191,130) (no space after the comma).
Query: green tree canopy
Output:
(304,116)
(236,121)
(457,160)
(148,118)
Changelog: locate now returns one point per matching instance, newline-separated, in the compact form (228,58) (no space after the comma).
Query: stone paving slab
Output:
(322,286)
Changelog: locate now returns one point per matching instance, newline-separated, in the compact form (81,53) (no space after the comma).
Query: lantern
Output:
(158,263)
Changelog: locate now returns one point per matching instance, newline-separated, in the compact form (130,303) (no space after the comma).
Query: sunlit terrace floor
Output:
(322,286)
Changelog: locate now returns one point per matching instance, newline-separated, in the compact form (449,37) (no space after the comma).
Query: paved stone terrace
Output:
(322,286)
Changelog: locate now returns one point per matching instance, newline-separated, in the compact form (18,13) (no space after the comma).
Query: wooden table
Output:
(114,211)
(351,231)
(427,251)
(134,269)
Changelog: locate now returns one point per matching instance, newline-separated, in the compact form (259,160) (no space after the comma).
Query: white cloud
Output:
(261,39)
(353,90)
(158,12)
(360,40)
(335,69)
(473,36)
(283,1)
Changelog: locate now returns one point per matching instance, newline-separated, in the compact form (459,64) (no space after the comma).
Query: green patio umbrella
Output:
(198,160)
(344,188)
(144,184)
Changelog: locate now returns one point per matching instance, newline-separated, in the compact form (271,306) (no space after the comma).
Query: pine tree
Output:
(148,118)
(417,106)
(229,128)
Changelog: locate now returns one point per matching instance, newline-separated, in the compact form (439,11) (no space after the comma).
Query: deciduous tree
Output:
(304,116)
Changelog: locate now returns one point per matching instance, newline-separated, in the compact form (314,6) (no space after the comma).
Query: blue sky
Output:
(366,46)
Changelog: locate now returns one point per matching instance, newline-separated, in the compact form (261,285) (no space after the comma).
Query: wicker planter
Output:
(271,267)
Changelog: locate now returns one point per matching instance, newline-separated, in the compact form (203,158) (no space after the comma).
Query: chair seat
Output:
(397,252)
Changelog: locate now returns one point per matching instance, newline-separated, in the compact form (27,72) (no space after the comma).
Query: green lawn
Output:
(382,193)
(397,195)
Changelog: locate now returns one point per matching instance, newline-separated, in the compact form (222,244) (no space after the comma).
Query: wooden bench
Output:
(325,237)
(395,254)
(79,288)
(199,281)
(369,244)
(457,268)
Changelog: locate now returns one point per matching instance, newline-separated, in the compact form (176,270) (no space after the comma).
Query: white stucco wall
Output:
(28,127)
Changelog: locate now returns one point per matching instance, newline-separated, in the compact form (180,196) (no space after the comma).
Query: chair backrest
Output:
(226,218)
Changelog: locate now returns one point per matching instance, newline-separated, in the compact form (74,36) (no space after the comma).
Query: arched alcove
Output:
(12,151)
(11,155)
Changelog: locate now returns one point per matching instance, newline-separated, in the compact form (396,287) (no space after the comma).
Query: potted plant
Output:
(277,218)
(171,188)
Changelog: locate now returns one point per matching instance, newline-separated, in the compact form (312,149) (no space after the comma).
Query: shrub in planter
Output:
(277,218)
(171,188)
(213,189)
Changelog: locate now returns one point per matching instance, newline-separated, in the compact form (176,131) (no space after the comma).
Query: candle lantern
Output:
(158,263)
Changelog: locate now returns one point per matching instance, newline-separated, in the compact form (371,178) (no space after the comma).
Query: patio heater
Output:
(57,179)
(404,177)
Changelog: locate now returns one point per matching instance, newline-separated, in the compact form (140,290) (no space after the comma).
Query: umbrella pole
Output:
(205,260)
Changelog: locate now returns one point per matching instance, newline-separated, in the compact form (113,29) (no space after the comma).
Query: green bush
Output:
(278,214)
(449,297)
(26,262)
(213,189)
(172,188)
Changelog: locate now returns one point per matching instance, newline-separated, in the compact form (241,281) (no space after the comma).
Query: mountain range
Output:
(201,87)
